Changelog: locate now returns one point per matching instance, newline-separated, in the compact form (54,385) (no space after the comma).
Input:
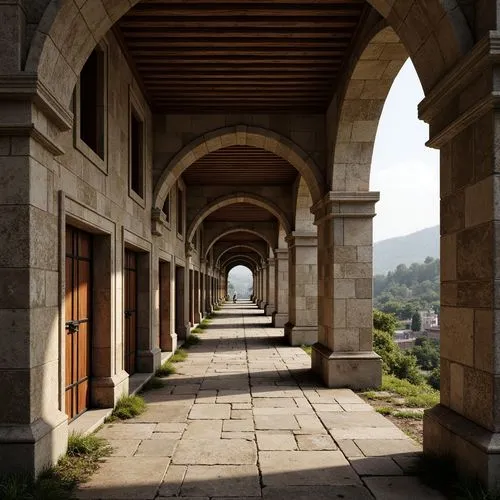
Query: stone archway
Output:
(244,136)
(231,199)
(211,243)
(304,219)
(363,99)
(247,245)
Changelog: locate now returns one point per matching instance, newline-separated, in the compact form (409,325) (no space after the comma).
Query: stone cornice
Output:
(345,205)
(281,253)
(445,109)
(15,130)
(27,86)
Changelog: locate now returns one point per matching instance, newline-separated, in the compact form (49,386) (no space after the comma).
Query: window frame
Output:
(79,143)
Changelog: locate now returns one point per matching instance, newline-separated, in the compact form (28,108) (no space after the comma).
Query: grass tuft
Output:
(57,483)
(129,407)
(191,341)
(384,410)
(178,356)
(197,330)
(413,415)
(165,369)
(307,349)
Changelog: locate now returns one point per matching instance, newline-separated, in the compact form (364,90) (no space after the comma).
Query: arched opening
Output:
(240,283)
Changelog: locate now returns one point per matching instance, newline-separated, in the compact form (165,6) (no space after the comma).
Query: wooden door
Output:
(130,311)
(78,318)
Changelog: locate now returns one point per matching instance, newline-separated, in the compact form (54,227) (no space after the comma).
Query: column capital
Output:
(345,205)
(302,239)
(281,253)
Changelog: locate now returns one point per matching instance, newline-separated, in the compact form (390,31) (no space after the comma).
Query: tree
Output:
(385,322)
(427,353)
(416,322)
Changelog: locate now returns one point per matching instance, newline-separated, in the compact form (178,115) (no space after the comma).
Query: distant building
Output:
(429,319)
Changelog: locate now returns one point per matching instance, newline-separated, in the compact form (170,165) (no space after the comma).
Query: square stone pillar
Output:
(464,119)
(263,285)
(344,355)
(302,326)
(258,291)
(270,307)
(280,315)
(33,424)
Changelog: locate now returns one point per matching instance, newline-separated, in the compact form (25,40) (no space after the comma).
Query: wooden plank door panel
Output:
(78,312)
(130,311)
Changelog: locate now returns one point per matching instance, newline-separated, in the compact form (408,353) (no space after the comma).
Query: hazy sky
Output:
(404,170)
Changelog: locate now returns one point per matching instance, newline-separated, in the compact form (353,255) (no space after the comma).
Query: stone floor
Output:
(244,418)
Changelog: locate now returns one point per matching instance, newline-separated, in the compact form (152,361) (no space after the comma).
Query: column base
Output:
(355,370)
(106,391)
(301,335)
(474,449)
(279,319)
(269,310)
(31,449)
(148,361)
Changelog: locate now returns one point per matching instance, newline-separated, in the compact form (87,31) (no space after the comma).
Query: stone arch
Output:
(242,135)
(304,219)
(241,258)
(233,198)
(237,230)
(247,245)
(435,33)
(363,99)
(229,267)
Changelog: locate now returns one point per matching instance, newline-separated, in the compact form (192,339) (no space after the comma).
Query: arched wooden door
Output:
(130,311)
(78,318)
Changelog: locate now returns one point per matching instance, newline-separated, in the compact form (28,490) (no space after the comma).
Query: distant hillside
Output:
(415,247)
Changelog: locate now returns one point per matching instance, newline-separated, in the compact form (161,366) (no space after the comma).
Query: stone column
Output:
(344,355)
(465,124)
(280,316)
(208,290)
(258,296)
(270,307)
(302,326)
(265,274)
(202,289)
(33,429)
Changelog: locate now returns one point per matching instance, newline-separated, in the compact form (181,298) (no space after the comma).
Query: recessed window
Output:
(136,154)
(180,211)
(166,208)
(91,103)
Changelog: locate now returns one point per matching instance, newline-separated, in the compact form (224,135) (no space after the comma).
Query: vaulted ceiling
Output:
(222,55)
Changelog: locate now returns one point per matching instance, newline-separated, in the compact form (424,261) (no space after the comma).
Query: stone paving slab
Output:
(245,418)
(122,478)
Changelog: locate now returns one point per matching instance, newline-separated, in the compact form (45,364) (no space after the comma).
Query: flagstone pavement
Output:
(244,417)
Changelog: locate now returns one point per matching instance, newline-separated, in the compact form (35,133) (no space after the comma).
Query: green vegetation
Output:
(129,407)
(57,483)
(167,368)
(416,322)
(394,361)
(191,341)
(307,349)
(427,353)
(178,356)
(413,395)
(434,379)
(407,290)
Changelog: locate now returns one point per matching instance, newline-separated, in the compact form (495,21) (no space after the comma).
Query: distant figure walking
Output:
(234,298)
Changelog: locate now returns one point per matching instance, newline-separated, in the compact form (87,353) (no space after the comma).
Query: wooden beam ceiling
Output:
(240,166)
(240,55)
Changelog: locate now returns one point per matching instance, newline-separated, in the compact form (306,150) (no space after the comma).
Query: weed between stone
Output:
(57,483)
(129,407)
